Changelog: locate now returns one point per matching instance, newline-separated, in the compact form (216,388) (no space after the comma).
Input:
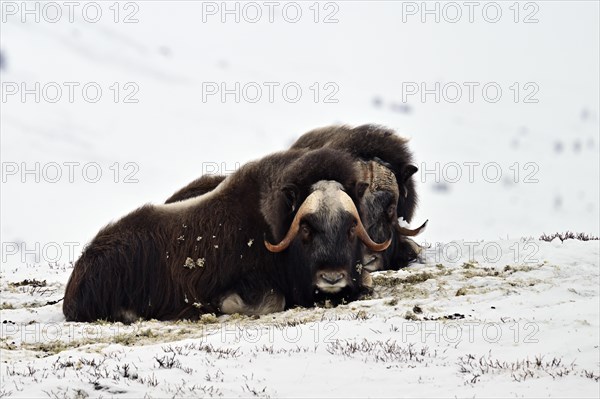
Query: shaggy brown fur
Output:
(366,143)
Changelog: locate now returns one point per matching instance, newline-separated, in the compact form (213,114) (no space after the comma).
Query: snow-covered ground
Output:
(515,325)
(525,324)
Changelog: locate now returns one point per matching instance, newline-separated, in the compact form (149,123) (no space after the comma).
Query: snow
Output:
(519,327)
(428,330)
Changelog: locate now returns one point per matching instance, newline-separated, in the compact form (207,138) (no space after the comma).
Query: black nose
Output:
(332,277)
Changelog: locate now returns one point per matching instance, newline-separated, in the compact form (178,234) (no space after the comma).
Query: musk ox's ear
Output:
(408,171)
(291,194)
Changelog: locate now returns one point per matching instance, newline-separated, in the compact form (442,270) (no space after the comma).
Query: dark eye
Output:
(305,232)
(391,211)
(352,232)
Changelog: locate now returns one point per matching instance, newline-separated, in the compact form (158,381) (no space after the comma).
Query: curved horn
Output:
(410,233)
(361,232)
(309,205)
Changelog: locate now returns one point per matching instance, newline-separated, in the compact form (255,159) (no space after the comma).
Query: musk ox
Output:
(381,158)
(379,209)
(206,254)
(370,142)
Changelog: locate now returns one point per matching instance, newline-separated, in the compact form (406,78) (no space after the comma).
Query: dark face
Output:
(324,253)
(331,247)
(379,213)
(379,210)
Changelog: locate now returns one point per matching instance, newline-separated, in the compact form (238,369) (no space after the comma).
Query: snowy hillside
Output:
(525,326)
(108,110)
